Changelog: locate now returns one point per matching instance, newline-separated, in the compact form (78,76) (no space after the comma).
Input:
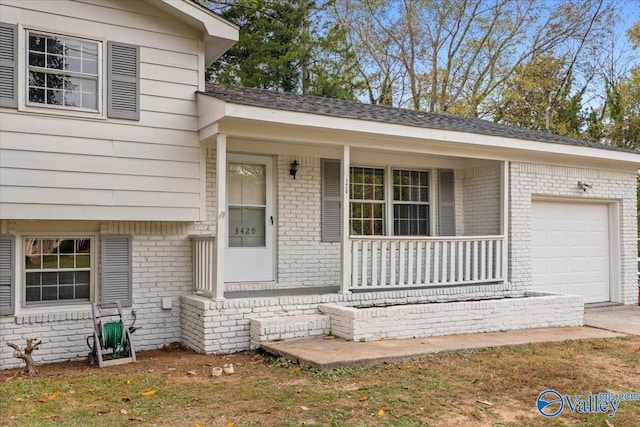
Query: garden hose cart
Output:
(112,343)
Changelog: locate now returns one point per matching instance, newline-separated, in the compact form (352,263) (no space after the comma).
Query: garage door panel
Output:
(570,249)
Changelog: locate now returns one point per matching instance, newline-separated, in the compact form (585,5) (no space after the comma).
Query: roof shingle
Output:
(376,113)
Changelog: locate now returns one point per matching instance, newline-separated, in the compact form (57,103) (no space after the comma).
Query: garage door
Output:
(570,249)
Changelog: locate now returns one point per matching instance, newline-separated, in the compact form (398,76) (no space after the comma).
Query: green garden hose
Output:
(113,336)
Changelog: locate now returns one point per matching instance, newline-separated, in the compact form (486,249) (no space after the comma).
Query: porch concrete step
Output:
(288,327)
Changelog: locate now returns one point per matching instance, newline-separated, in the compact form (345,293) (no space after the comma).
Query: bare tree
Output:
(454,55)
(32,344)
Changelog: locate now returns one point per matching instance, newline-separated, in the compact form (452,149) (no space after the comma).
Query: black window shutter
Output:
(7,275)
(331,200)
(8,65)
(447,214)
(116,269)
(123,77)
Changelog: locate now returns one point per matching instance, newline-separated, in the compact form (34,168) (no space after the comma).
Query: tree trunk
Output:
(30,368)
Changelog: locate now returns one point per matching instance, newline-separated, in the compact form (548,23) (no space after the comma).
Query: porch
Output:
(414,220)
(381,264)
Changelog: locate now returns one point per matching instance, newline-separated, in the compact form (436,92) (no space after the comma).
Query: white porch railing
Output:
(204,263)
(410,262)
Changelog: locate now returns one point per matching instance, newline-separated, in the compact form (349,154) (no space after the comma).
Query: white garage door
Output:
(570,249)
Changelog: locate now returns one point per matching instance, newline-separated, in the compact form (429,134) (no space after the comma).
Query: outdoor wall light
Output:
(584,186)
(293,168)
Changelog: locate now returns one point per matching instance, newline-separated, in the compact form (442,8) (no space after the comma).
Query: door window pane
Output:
(247,184)
(246,227)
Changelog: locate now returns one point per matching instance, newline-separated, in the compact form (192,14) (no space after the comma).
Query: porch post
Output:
(221,206)
(345,246)
(504,220)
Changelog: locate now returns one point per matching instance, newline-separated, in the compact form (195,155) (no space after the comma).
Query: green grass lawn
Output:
(492,387)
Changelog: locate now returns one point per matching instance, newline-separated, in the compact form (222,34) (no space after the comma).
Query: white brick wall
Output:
(161,268)
(224,326)
(529,180)
(288,327)
(303,259)
(481,191)
(425,320)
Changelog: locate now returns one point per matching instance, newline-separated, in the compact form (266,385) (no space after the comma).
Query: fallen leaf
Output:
(92,405)
(150,370)
(134,418)
(149,392)
(351,387)
(231,424)
(198,425)
(50,416)
(304,408)
(192,373)
(123,411)
(484,402)
(53,395)
(380,412)
(424,342)
(43,400)
(128,382)
(297,369)
(19,399)
(363,398)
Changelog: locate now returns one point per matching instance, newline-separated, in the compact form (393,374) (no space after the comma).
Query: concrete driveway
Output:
(621,318)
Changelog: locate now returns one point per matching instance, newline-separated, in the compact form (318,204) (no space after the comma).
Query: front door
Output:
(250,255)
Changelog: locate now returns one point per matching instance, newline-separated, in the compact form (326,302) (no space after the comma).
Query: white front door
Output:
(249,253)
(570,249)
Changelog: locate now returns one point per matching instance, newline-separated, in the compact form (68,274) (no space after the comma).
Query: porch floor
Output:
(325,353)
(291,292)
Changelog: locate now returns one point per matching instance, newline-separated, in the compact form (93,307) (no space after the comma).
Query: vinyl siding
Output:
(59,165)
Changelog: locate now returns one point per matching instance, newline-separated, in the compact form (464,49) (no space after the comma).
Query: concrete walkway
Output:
(622,318)
(326,353)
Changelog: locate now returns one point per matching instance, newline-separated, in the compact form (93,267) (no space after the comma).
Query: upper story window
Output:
(63,71)
(65,74)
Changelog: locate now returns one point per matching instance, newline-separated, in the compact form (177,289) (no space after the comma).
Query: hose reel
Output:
(111,340)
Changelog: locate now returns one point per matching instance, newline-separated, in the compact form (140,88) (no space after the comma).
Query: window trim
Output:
(99,75)
(428,203)
(388,198)
(383,202)
(61,110)
(57,303)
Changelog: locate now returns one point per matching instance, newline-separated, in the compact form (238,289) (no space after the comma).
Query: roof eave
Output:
(228,111)
(218,33)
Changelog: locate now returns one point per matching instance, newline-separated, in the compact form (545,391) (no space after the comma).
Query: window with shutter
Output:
(330,200)
(123,98)
(63,72)
(57,270)
(116,269)
(6,274)
(8,65)
(446,203)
